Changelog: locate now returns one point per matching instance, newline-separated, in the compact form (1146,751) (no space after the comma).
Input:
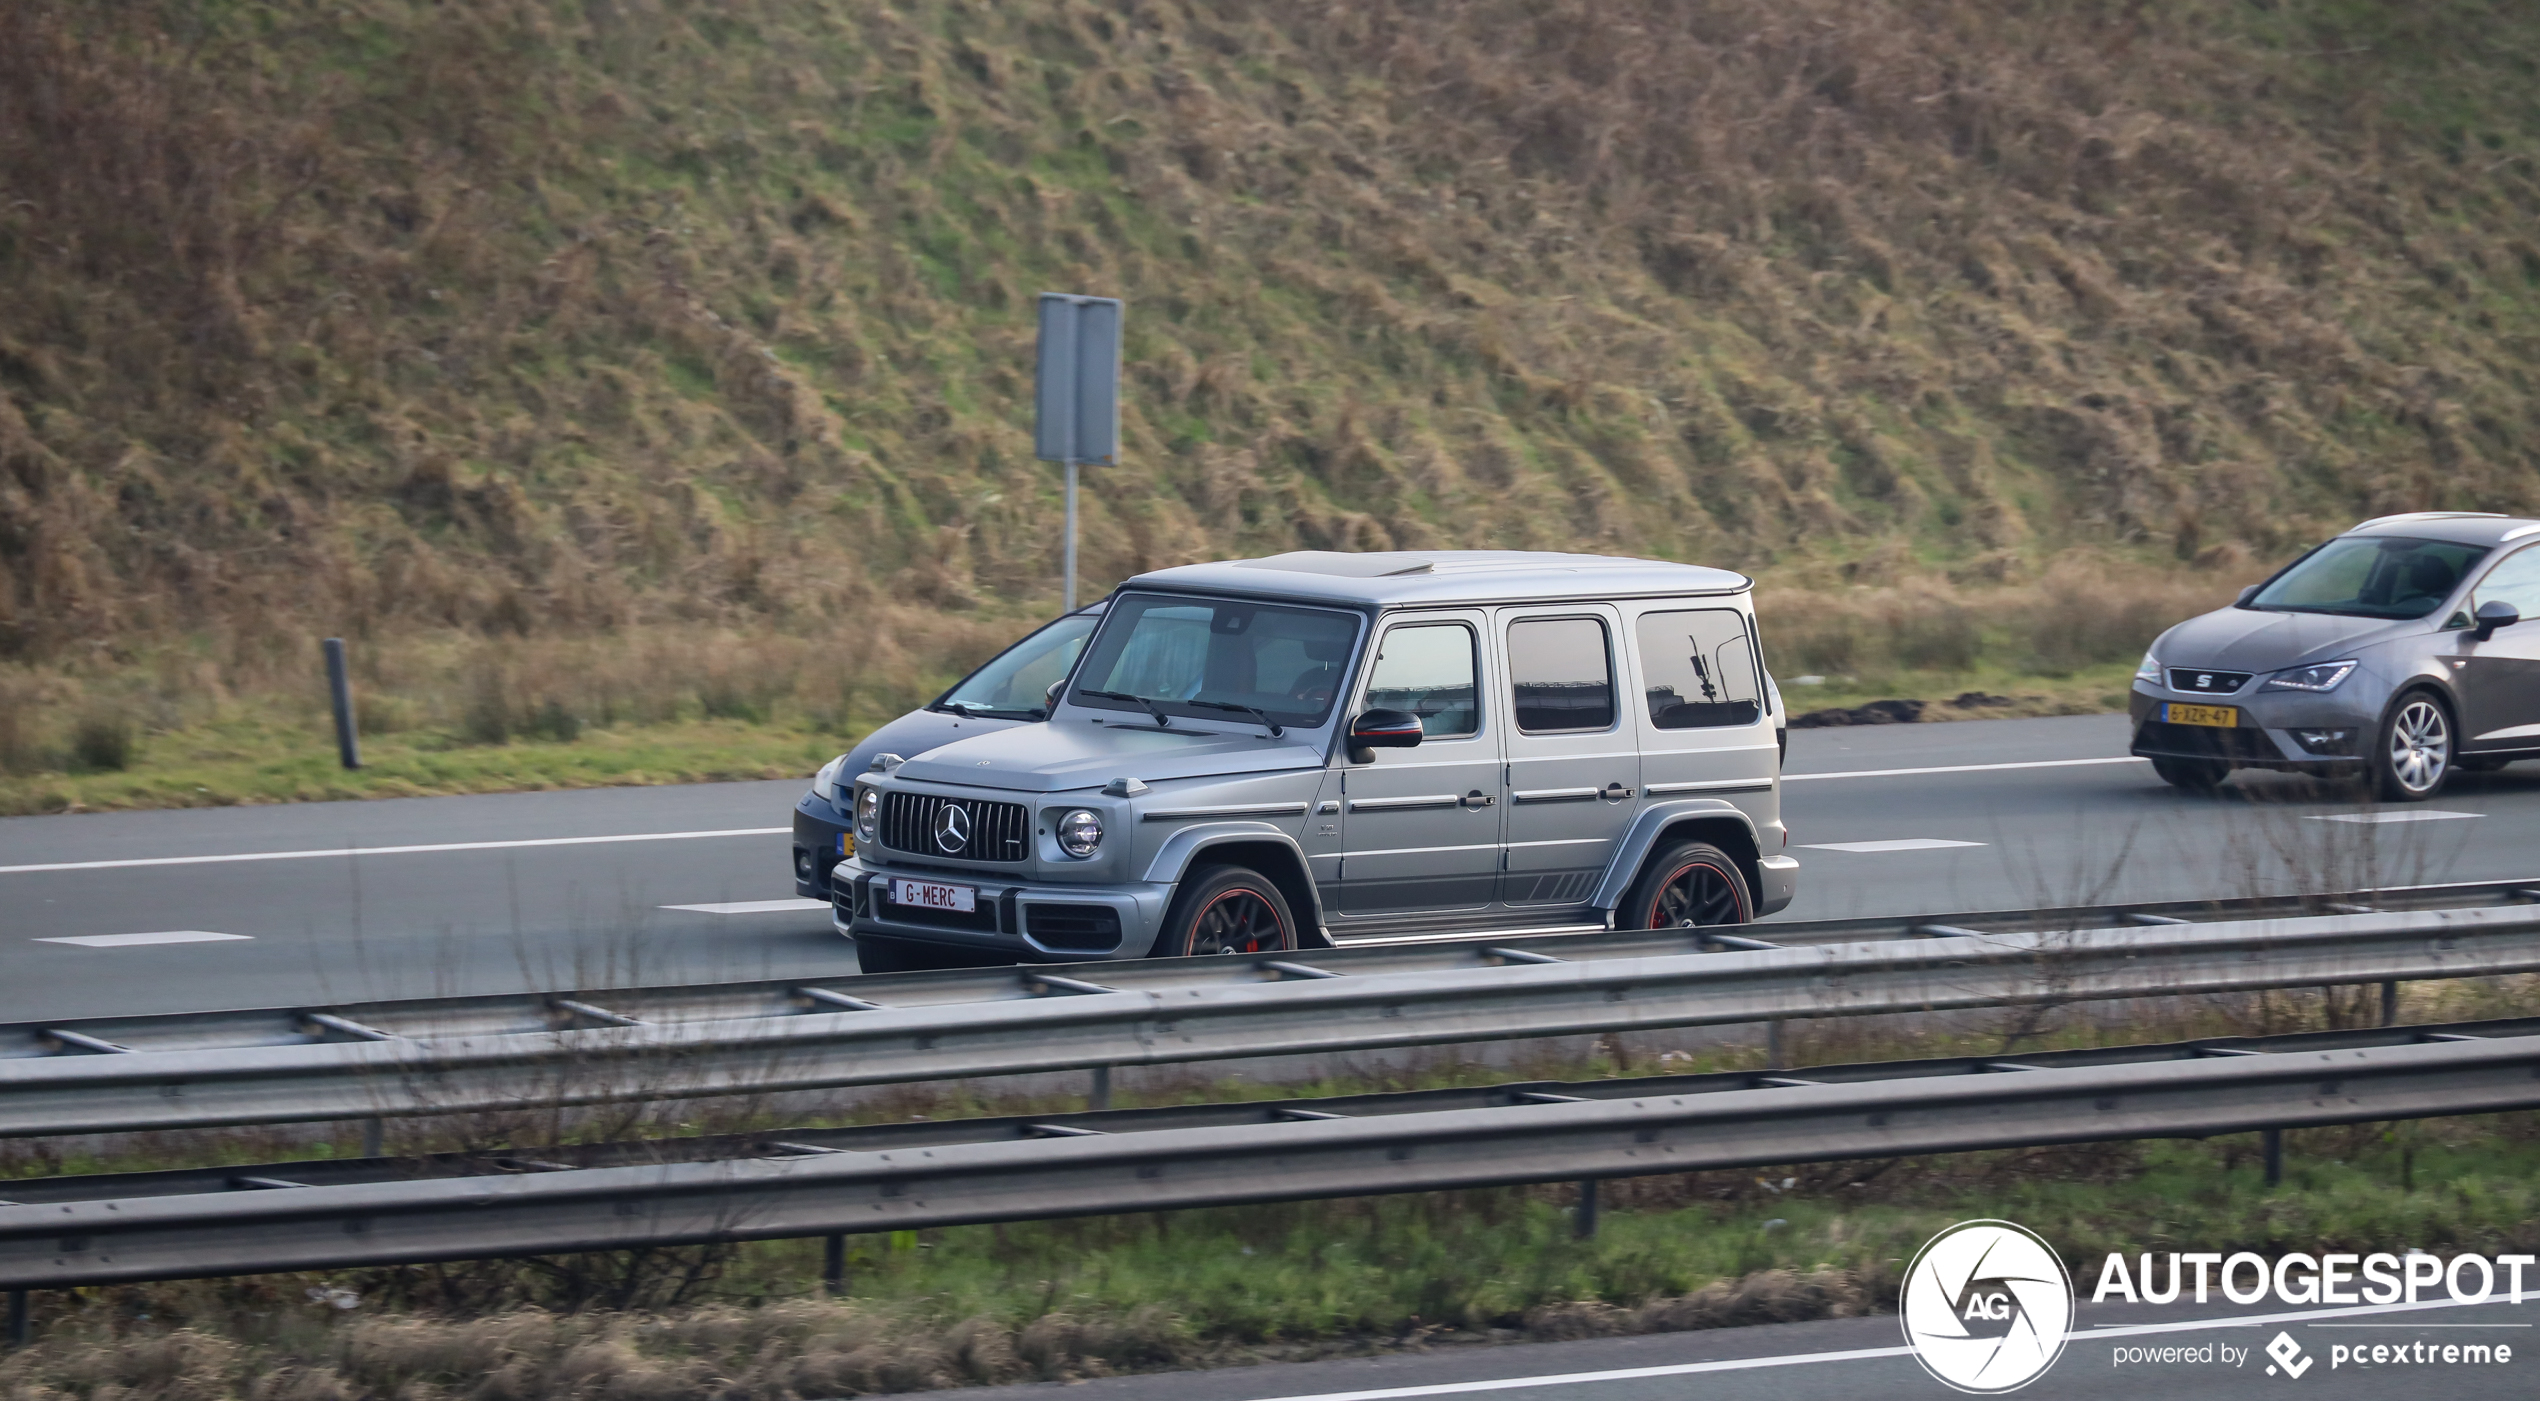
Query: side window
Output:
(1429,670)
(2516,581)
(1701,669)
(1561,674)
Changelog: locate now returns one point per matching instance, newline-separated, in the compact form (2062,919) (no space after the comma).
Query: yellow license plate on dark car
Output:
(2222,717)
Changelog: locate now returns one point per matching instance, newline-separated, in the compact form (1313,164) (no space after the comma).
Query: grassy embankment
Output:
(943,1307)
(502,327)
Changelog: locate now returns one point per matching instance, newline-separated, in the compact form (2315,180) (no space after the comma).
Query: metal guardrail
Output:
(500,1014)
(897,1177)
(1254,1007)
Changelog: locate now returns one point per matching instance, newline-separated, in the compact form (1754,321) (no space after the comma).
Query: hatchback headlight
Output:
(868,814)
(1080,833)
(2148,669)
(2321,677)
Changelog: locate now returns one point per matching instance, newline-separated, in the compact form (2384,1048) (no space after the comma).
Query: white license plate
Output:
(928,895)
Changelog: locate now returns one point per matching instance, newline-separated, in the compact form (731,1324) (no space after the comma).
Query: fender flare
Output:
(1174,858)
(1642,836)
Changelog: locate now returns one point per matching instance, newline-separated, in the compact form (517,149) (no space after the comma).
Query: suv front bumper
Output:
(1014,919)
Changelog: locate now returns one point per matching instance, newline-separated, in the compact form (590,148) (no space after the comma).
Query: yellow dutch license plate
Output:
(2221,717)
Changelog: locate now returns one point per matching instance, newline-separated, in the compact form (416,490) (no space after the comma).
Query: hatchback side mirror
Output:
(2245,595)
(2494,614)
(1381,729)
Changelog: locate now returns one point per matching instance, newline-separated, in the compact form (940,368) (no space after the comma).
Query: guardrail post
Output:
(833,1266)
(1773,1046)
(2272,1143)
(2390,1004)
(374,1138)
(1583,1215)
(1098,1096)
(348,745)
(17,1318)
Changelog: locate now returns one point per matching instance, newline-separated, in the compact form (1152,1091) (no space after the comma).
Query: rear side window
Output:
(1561,675)
(1701,669)
(1428,670)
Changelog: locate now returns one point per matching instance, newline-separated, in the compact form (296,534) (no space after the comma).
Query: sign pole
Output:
(1071,537)
(1076,395)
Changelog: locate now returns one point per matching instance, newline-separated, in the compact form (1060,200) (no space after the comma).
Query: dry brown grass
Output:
(540,319)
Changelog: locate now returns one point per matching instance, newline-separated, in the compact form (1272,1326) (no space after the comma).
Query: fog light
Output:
(2326,741)
(802,864)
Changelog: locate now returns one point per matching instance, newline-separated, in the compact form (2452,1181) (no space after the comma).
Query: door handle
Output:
(1477,799)
(1616,792)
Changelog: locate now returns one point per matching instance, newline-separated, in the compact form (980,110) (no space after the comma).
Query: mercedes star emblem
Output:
(952,828)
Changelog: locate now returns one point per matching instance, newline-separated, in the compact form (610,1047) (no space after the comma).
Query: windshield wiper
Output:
(1274,727)
(1162,720)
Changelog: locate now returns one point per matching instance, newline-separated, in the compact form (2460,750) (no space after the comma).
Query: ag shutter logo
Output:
(1986,1306)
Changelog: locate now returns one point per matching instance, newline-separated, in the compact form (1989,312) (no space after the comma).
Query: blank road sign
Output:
(1076,386)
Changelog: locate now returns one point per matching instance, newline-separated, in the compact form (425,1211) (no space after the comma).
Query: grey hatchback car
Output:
(2395,653)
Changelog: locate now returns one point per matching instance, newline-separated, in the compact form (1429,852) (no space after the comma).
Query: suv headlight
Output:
(2148,669)
(1080,832)
(2323,676)
(825,782)
(868,814)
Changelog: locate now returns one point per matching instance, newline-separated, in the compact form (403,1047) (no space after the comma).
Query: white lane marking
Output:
(752,907)
(1743,1364)
(1900,844)
(1963,768)
(127,941)
(2410,815)
(390,850)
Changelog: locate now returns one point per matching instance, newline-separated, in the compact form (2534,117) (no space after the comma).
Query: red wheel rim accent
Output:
(1239,921)
(1696,894)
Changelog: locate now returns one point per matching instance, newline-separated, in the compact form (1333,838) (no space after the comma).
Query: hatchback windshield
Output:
(1015,683)
(2371,576)
(1218,659)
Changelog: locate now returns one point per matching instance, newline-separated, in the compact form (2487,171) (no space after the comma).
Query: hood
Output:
(1045,758)
(915,733)
(2247,639)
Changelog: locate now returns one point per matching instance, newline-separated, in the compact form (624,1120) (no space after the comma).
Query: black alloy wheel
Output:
(1686,886)
(1228,909)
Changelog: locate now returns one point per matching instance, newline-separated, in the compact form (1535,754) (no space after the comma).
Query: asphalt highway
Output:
(265,906)
(2221,1355)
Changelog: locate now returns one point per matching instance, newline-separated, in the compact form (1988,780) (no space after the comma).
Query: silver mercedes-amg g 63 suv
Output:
(1321,748)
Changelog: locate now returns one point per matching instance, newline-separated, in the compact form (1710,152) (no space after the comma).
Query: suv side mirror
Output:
(1381,729)
(1049,698)
(2245,595)
(2494,614)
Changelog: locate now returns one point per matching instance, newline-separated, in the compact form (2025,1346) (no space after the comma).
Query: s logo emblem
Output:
(952,828)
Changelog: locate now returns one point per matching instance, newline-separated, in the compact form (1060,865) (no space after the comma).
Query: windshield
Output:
(2371,576)
(1015,682)
(1216,659)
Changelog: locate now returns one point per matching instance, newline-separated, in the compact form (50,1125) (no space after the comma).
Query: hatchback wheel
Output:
(2415,752)
(2192,775)
(1688,885)
(1227,909)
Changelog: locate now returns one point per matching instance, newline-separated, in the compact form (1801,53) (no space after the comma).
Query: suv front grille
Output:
(992,831)
(2206,683)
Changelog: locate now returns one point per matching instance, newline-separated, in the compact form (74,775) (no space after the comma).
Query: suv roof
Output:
(1442,577)
(2459,527)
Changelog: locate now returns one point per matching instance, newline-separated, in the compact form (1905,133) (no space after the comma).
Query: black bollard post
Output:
(348,745)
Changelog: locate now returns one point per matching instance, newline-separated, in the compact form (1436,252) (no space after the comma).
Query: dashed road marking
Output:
(1899,844)
(1962,768)
(752,907)
(391,850)
(127,941)
(2404,815)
